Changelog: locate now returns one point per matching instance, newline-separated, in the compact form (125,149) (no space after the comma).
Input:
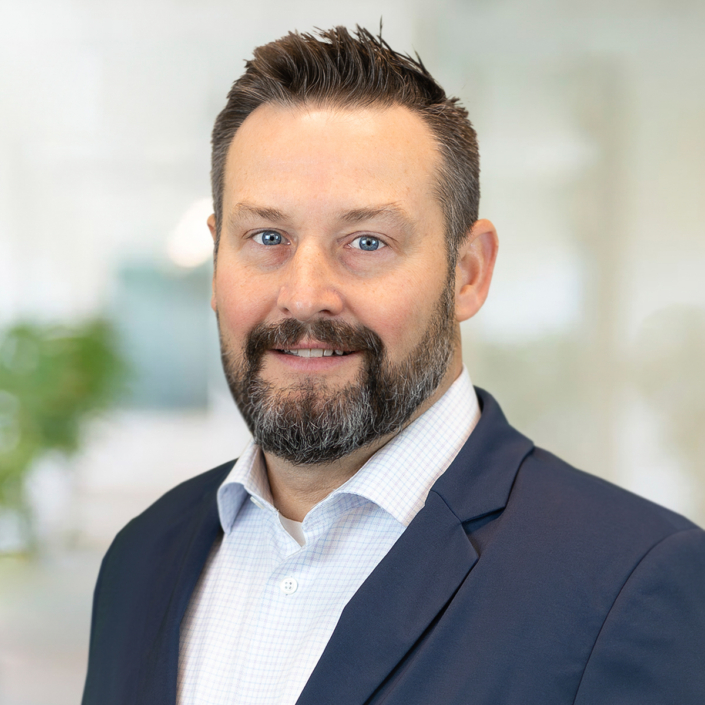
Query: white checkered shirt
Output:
(265,607)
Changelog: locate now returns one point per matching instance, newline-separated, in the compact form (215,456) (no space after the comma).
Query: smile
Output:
(315,352)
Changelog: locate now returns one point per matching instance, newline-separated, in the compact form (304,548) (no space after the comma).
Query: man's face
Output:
(332,240)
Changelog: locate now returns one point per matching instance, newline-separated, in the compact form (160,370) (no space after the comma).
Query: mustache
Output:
(338,334)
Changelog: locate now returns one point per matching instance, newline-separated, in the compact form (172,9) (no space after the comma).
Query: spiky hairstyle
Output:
(347,70)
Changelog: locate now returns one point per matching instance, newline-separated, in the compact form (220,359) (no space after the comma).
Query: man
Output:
(387,537)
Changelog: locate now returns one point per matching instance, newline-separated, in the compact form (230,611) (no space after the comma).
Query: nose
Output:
(308,288)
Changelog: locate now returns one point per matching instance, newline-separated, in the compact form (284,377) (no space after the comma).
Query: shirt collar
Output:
(397,478)
(247,479)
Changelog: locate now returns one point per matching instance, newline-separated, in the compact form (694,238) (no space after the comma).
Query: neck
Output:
(296,489)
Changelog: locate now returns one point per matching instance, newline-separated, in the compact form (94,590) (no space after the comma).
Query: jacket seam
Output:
(617,596)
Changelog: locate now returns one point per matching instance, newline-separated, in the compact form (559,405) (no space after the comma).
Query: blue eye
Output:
(367,243)
(268,237)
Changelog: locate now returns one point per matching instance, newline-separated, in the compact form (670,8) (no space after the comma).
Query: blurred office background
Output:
(591,119)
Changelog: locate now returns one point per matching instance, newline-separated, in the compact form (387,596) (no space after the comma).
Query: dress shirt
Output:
(265,605)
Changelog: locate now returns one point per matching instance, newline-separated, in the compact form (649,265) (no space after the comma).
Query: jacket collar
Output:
(479,480)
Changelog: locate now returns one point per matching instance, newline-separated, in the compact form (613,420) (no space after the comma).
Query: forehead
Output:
(383,154)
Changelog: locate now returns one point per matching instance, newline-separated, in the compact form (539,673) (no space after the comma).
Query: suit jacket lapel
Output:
(392,608)
(424,569)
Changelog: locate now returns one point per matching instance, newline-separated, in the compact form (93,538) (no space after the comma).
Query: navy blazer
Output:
(522,581)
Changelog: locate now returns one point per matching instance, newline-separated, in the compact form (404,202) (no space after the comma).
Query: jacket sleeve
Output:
(651,648)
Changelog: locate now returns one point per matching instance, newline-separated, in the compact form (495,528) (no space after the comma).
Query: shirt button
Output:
(288,586)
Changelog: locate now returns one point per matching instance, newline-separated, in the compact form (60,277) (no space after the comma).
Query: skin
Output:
(321,178)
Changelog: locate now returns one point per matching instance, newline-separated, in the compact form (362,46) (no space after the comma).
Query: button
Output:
(288,586)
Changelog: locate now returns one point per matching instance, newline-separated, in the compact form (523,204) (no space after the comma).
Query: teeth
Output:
(314,352)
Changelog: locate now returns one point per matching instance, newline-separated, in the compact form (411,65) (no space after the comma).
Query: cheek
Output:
(241,303)
(399,313)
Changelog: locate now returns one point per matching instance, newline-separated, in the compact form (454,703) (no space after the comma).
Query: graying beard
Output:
(290,427)
(305,425)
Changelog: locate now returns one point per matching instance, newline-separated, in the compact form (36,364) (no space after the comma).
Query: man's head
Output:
(332,226)
(345,71)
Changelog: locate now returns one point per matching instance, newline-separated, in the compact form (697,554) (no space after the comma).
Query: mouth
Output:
(315,352)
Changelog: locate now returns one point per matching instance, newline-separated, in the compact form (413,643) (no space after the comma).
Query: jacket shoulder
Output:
(557,516)
(570,562)
(575,495)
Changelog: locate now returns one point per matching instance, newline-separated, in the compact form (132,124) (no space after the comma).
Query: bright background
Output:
(591,120)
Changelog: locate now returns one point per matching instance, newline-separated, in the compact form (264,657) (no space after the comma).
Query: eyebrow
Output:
(356,215)
(392,210)
(247,209)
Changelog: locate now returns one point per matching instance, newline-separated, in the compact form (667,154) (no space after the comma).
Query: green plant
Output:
(52,379)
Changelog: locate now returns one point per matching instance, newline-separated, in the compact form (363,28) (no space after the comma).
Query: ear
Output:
(212,226)
(473,272)
(214,234)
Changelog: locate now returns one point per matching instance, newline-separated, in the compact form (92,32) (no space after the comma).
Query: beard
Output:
(309,422)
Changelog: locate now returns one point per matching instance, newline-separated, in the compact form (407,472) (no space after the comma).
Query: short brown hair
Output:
(356,70)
